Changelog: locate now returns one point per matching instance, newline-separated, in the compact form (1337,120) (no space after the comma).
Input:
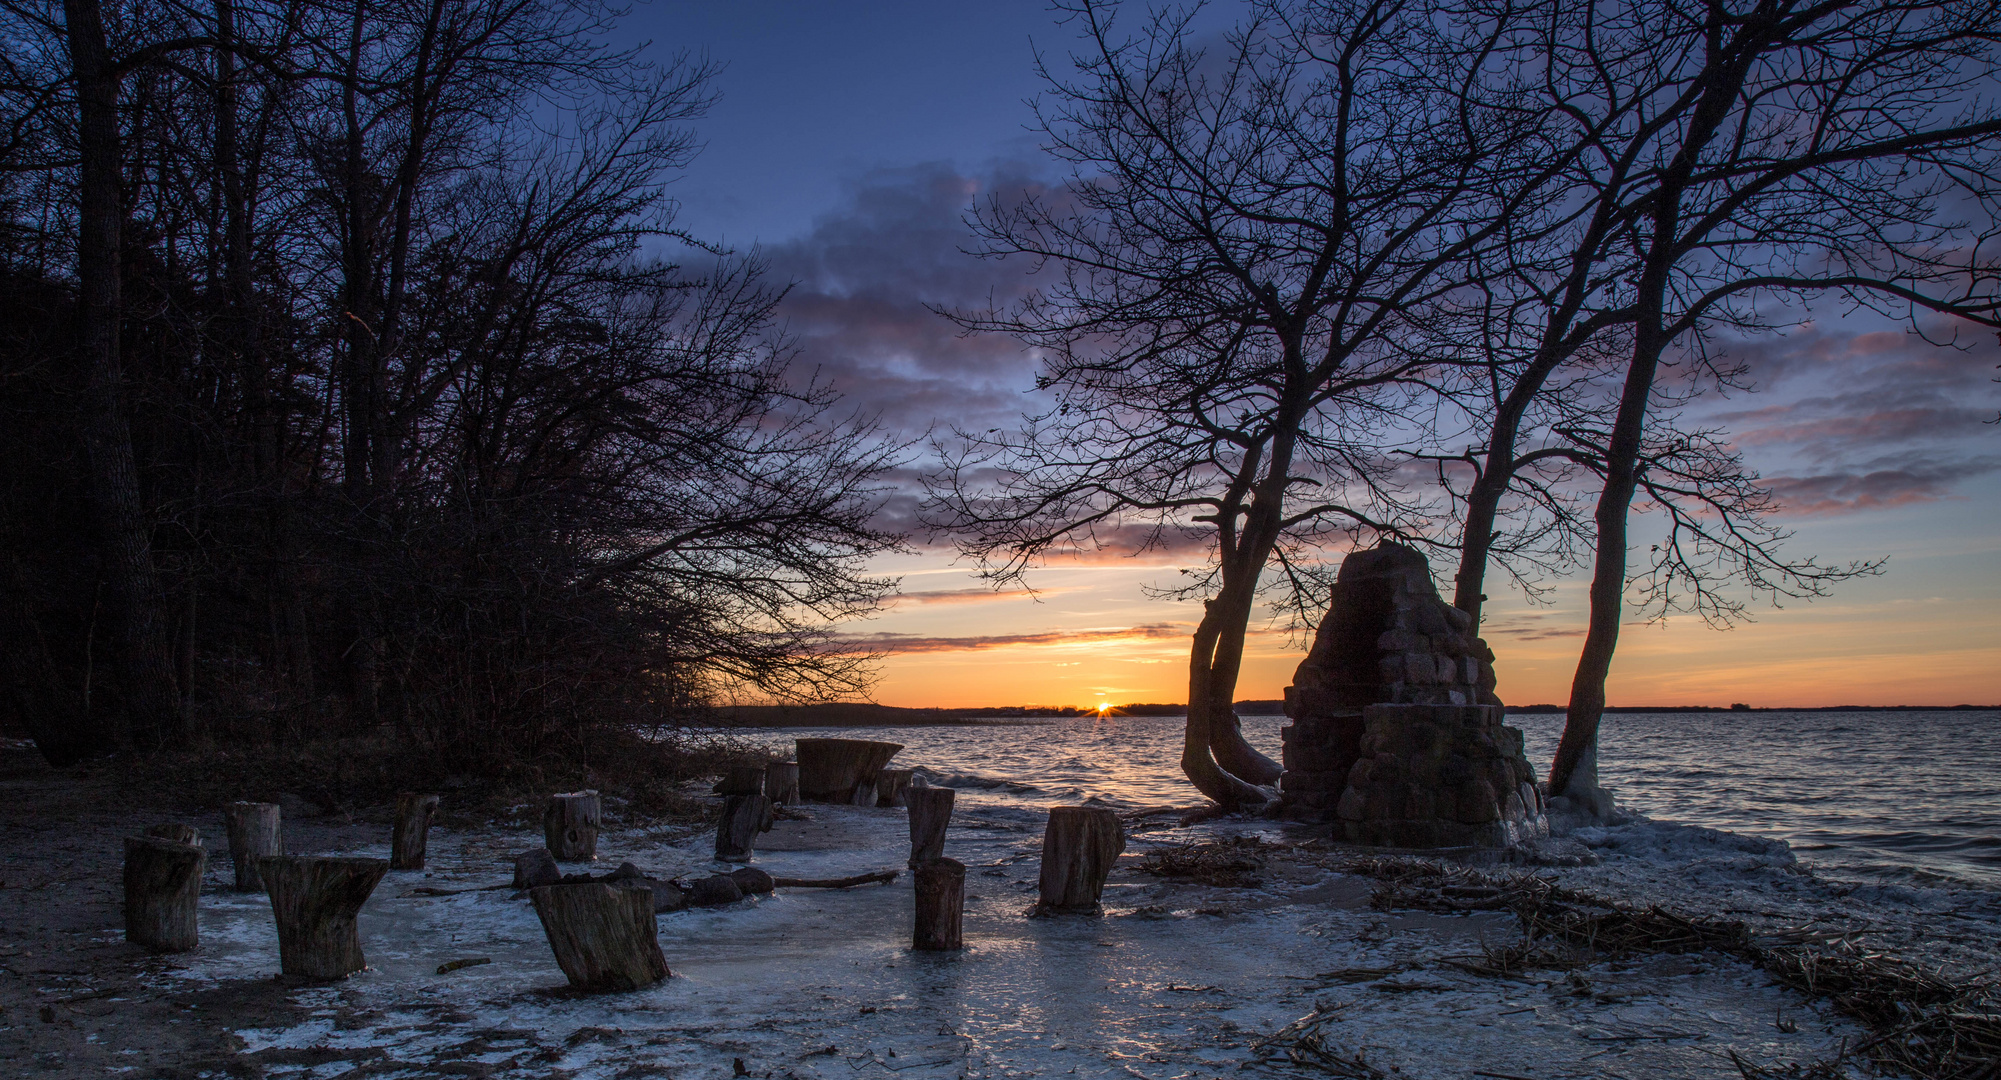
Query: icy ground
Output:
(1176,980)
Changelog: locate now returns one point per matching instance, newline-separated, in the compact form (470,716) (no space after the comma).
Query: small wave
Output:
(975,780)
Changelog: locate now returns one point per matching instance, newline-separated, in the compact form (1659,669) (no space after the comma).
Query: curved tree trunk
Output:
(1198,762)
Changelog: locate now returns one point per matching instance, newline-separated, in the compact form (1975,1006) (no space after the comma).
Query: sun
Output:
(1103,708)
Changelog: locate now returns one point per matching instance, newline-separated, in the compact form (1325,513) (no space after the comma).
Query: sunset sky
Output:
(848,144)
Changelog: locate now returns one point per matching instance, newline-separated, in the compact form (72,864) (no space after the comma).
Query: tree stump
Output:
(930,813)
(535,868)
(841,770)
(176,833)
(1079,847)
(315,900)
(745,780)
(255,830)
(413,830)
(941,906)
(162,893)
(604,935)
(781,783)
(891,786)
(743,818)
(570,825)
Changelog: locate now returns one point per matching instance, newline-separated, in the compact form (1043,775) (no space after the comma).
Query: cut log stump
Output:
(162,893)
(315,900)
(781,783)
(255,830)
(535,868)
(604,935)
(743,817)
(1079,847)
(413,830)
(842,770)
(175,832)
(744,780)
(570,825)
(941,906)
(930,814)
(891,787)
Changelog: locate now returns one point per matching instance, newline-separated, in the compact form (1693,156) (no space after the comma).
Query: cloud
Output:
(969,596)
(1879,489)
(912,643)
(1527,627)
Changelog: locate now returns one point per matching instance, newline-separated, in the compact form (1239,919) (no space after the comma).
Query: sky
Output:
(848,143)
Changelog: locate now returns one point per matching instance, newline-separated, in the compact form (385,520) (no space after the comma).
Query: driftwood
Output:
(570,825)
(1079,847)
(930,814)
(315,900)
(255,830)
(880,876)
(891,786)
(781,783)
(604,935)
(162,893)
(842,770)
(535,868)
(413,830)
(941,906)
(743,817)
(752,880)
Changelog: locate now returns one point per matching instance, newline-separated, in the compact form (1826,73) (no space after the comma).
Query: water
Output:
(1910,795)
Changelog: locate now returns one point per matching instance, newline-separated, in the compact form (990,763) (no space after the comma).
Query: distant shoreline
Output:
(862,714)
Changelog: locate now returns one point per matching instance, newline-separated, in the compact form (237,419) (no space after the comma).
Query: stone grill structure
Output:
(1397,737)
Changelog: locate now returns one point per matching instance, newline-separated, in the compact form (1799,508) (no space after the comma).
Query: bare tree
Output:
(1246,234)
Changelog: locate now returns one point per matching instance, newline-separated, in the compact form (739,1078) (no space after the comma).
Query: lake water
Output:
(1905,795)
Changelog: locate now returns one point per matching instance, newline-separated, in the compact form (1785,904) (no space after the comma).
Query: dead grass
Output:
(1229,864)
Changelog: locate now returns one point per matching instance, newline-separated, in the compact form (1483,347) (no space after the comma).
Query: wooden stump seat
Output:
(842,770)
(941,906)
(255,830)
(930,814)
(413,830)
(1079,847)
(744,816)
(314,900)
(163,893)
(603,934)
(570,825)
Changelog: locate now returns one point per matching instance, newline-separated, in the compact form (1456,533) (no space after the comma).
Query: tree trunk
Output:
(255,830)
(892,787)
(1198,761)
(842,770)
(1079,847)
(941,906)
(163,893)
(930,815)
(743,818)
(604,936)
(132,593)
(781,783)
(314,900)
(570,825)
(413,829)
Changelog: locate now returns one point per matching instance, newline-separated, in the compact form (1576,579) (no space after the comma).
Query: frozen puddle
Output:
(1176,981)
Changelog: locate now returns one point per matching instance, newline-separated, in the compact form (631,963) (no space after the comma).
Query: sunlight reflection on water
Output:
(1883,794)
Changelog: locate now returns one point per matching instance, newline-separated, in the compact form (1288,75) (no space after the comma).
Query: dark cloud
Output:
(969,596)
(1528,626)
(1877,489)
(912,643)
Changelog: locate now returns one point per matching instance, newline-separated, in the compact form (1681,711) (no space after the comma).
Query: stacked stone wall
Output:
(1440,776)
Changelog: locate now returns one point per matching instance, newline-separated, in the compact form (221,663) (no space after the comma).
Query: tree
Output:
(1243,239)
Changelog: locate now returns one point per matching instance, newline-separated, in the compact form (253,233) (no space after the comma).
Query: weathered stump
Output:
(535,868)
(842,770)
(255,830)
(930,813)
(413,830)
(570,825)
(744,780)
(744,816)
(892,785)
(604,935)
(941,906)
(175,832)
(781,783)
(162,893)
(1079,847)
(315,900)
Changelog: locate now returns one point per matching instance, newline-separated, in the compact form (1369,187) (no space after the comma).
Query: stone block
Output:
(1350,808)
(1420,668)
(1483,675)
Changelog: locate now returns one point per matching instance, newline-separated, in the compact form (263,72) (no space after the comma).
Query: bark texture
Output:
(1079,847)
(413,830)
(941,906)
(781,783)
(570,825)
(604,935)
(930,815)
(256,829)
(842,770)
(743,818)
(891,787)
(314,900)
(163,893)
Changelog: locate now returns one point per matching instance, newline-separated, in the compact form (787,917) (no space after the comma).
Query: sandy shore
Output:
(1176,980)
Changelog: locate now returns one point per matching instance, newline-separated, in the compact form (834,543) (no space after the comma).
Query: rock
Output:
(535,868)
(667,896)
(751,880)
(714,891)
(624,872)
